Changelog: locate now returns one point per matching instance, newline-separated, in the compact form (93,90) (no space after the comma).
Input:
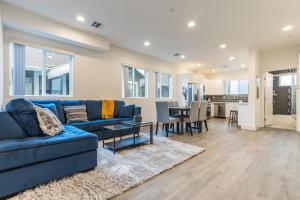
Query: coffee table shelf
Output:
(132,139)
(127,142)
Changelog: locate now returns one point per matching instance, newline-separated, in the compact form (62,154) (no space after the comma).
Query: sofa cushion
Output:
(76,114)
(58,104)
(50,106)
(93,109)
(72,102)
(48,121)
(24,114)
(97,125)
(10,129)
(118,106)
(22,152)
(126,111)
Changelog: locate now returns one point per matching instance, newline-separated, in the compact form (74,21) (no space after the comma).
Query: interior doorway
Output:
(280,99)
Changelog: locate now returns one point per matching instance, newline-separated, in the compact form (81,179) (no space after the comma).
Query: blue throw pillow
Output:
(23,112)
(118,106)
(50,106)
(93,109)
(126,111)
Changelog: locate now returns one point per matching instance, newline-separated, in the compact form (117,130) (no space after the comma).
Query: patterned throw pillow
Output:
(76,114)
(49,123)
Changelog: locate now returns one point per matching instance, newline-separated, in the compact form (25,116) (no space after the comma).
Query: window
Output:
(39,72)
(134,82)
(162,85)
(237,87)
(287,80)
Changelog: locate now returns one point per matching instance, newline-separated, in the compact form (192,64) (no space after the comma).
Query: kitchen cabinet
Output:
(215,87)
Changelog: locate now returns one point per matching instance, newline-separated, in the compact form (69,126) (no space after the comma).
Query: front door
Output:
(268,99)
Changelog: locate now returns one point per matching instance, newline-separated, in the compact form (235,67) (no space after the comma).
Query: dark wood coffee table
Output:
(131,140)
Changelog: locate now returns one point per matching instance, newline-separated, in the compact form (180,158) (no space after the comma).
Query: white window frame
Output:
(44,49)
(159,85)
(239,88)
(133,87)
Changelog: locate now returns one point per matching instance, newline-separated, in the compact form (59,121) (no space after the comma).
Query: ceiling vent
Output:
(96,24)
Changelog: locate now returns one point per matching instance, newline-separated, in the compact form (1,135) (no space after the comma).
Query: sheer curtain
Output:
(19,69)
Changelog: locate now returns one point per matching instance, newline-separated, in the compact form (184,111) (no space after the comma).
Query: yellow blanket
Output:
(108,108)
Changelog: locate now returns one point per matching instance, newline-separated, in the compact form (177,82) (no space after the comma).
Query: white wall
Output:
(278,59)
(98,75)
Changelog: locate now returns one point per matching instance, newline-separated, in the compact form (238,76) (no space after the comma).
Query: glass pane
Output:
(140,82)
(57,70)
(157,85)
(244,86)
(286,80)
(33,71)
(127,81)
(165,85)
(234,88)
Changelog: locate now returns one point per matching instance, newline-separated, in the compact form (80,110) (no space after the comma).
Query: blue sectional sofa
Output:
(27,161)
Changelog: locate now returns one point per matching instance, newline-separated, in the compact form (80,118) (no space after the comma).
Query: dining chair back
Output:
(194,111)
(162,112)
(203,111)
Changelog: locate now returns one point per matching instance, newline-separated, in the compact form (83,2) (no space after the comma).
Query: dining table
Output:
(183,112)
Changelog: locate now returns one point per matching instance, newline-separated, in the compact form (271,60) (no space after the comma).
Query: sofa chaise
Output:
(27,161)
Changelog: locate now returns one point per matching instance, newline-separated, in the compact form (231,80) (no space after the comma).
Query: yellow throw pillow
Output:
(108,108)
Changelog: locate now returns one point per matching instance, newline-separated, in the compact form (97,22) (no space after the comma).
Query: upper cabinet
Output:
(215,87)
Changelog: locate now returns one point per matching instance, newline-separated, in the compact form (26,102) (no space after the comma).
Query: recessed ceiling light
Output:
(243,65)
(182,56)
(223,46)
(287,28)
(231,58)
(80,18)
(191,24)
(146,43)
(213,70)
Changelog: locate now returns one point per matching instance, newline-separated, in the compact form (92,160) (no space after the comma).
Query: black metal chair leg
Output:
(200,126)
(157,124)
(205,122)
(167,130)
(191,130)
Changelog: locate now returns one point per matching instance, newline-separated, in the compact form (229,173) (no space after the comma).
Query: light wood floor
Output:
(237,165)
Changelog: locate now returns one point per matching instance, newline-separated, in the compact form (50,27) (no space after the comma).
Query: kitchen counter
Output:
(228,106)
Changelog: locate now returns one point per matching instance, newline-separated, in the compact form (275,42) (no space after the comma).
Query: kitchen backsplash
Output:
(226,98)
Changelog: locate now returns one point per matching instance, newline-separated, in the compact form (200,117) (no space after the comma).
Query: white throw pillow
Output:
(49,123)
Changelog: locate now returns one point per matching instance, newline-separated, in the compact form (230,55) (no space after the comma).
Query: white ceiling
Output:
(240,24)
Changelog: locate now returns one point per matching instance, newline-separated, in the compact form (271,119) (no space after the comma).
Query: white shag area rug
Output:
(116,173)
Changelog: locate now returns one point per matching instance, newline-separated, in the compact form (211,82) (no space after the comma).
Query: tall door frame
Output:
(298,98)
(267,120)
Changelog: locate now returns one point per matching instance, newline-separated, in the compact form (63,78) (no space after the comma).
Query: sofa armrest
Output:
(137,111)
